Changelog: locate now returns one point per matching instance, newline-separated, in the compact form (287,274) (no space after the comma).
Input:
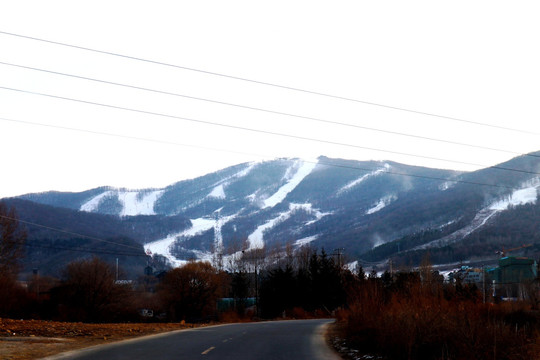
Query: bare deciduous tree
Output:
(190,292)
(89,292)
(12,240)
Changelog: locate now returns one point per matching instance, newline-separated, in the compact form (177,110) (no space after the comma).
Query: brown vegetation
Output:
(12,240)
(190,292)
(407,316)
(89,293)
(33,339)
(11,249)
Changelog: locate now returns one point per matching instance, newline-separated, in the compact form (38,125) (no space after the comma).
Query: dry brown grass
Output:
(422,323)
(34,339)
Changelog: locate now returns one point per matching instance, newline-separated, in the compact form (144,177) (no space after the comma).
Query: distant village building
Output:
(512,276)
(467,275)
(514,270)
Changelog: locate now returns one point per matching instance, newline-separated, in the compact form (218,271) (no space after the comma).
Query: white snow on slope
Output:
(362,179)
(134,205)
(479,220)
(304,170)
(241,173)
(92,204)
(256,239)
(219,187)
(381,204)
(305,241)
(447,185)
(519,197)
(218,192)
(132,202)
(247,170)
(218,237)
(163,246)
(315,212)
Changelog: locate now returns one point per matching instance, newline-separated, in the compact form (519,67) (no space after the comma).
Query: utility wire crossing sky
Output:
(448,87)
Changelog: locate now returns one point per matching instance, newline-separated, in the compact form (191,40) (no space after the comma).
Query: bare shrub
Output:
(190,292)
(420,323)
(12,240)
(89,293)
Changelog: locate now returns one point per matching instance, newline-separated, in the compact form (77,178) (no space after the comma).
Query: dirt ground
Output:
(35,339)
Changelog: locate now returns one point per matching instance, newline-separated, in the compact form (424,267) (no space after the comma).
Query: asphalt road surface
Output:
(296,339)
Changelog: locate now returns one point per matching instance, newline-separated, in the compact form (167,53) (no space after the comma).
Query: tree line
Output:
(305,283)
(409,314)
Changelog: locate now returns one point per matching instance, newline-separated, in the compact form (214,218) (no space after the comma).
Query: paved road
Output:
(297,339)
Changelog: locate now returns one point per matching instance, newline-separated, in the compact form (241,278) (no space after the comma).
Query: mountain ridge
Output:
(365,207)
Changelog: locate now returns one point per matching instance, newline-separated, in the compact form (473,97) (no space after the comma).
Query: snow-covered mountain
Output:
(373,210)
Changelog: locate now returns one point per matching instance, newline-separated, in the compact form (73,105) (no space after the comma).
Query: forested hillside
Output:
(372,211)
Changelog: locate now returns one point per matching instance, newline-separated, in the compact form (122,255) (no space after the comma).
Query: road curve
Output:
(294,339)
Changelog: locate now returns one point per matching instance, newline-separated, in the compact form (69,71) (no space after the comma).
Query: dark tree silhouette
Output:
(89,292)
(12,240)
(190,292)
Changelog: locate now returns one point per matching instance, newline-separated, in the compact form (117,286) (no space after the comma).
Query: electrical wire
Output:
(290,88)
(69,232)
(85,250)
(250,129)
(332,122)
(297,137)
(129,137)
(251,154)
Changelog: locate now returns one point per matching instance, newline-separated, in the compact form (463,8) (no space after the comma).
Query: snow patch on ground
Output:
(246,171)
(219,187)
(352,266)
(92,204)
(362,179)
(305,241)
(304,170)
(447,185)
(133,202)
(519,197)
(218,192)
(447,224)
(218,237)
(315,212)
(163,246)
(256,239)
(385,201)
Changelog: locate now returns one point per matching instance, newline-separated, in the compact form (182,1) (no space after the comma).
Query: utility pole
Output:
(116,269)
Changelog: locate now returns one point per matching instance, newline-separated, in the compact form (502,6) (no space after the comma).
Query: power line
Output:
(397,108)
(85,250)
(224,150)
(265,110)
(129,137)
(68,232)
(297,137)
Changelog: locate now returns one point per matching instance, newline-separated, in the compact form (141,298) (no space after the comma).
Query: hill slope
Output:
(373,210)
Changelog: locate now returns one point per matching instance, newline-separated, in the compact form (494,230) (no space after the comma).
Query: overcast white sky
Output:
(472,60)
